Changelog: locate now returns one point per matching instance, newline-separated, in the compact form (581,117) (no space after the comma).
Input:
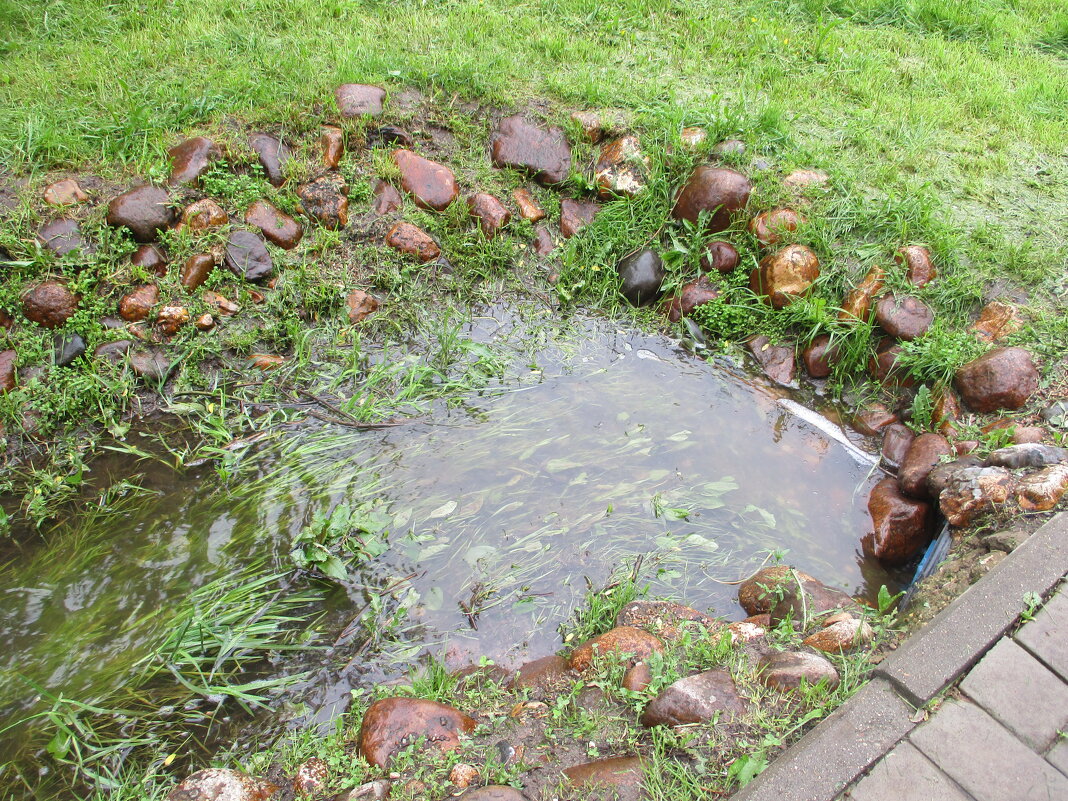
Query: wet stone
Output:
(151,258)
(63,237)
(196,270)
(490,212)
(904,317)
(816,357)
(693,294)
(67,192)
(204,215)
(49,304)
(386,198)
(431,185)
(1004,378)
(1041,491)
(720,257)
(138,304)
(545,674)
(544,153)
(324,200)
(807,601)
(770,227)
(719,191)
(884,367)
(247,256)
(392,724)
(729,147)
(665,619)
(622,640)
(996,321)
(153,366)
(332,142)
(276,226)
(113,352)
(191,159)
(918,265)
(590,123)
(493,792)
(638,678)
(273,155)
(777,361)
(8,371)
(901,526)
(576,214)
(543,241)
(171,318)
(1027,455)
(857,303)
(785,275)
(622,168)
(312,777)
(695,699)
(221,784)
(924,452)
(641,275)
(360,305)
(144,211)
(872,419)
(896,440)
(692,137)
(359,99)
(787,669)
(413,241)
(620,778)
(841,636)
(761,591)
(528,206)
(803,179)
(392,135)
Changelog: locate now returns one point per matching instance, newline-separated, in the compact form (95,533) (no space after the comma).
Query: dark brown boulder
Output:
(8,374)
(904,317)
(278,227)
(153,366)
(901,526)
(392,724)
(871,420)
(622,777)
(695,699)
(1004,378)
(665,619)
(273,155)
(545,674)
(884,366)
(622,640)
(637,678)
(150,258)
(543,241)
(324,200)
(49,304)
(359,99)
(545,154)
(360,305)
(528,206)
(857,304)
(777,361)
(63,237)
(897,437)
(391,135)
(113,352)
(196,270)
(332,142)
(761,591)
(575,214)
(138,304)
(918,265)
(490,212)
(431,185)
(817,357)
(145,211)
(971,491)
(785,275)
(191,159)
(693,294)
(923,454)
(721,257)
(641,275)
(204,215)
(247,256)
(785,670)
(806,602)
(770,227)
(387,198)
(413,241)
(621,169)
(717,190)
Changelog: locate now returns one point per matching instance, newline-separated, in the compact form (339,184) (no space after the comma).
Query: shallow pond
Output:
(486,524)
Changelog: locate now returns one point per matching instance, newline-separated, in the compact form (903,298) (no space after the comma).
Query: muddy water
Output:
(499,515)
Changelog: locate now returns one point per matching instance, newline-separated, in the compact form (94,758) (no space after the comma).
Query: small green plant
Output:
(359,532)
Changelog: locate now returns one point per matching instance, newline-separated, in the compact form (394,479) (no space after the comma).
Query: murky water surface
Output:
(500,515)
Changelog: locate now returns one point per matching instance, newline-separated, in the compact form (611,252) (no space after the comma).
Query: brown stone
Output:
(761,591)
(638,678)
(923,454)
(493,792)
(973,491)
(802,179)
(545,154)
(412,241)
(871,420)
(622,777)
(8,373)
(171,318)
(63,237)
(1043,490)
(392,135)
(196,270)
(858,303)
(387,198)
(204,214)
(665,619)
(770,227)
(311,777)
(431,185)
(785,275)
(807,601)
(221,784)
(64,193)
(392,724)
(693,294)
(777,361)
(729,147)
(901,526)
(996,321)
(49,304)
(622,640)
(276,226)
(151,259)
(361,305)
(247,256)
(575,214)
(945,409)
(903,316)
(786,670)
(544,674)
(332,142)
(884,366)
(543,241)
(621,169)
(138,304)
(359,99)
(707,696)
(747,630)
(324,200)
(842,635)
(220,304)
(721,257)
(153,366)
(273,155)
(590,123)
(191,159)
(918,265)
(717,190)
(1004,378)
(692,137)
(145,211)
(1028,434)
(897,437)
(490,212)
(528,206)
(817,357)
(266,361)
(204,322)
(113,352)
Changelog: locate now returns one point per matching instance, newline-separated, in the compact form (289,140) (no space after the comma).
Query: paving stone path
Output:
(1000,735)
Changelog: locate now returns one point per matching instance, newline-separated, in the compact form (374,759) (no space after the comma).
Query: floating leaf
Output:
(444,510)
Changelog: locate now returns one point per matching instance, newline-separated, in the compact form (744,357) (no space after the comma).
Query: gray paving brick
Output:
(1058,756)
(905,774)
(1018,690)
(984,758)
(1047,635)
(839,749)
(949,645)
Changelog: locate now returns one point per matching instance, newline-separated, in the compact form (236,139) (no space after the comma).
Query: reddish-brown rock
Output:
(721,257)
(359,99)
(1004,378)
(324,200)
(391,135)
(785,275)
(64,193)
(817,357)
(273,155)
(247,256)
(221,784)
(1043,490)
(897,437)
(266,361)
(717,190)
(693,294)
(858,303)
(707,696)
(665,619)
(387,199)
(528,206)
(622,640)
(144,211)
(623,777)
(637,678)
(923,454)
(150,258)
(49,304)
(786,670)
(392,724)
(490,792)
(807,601)
(918,265)
(171,318)
(312,777)
(332,142)
(884,366)
(803,179)
(276,226)
(220,304)
(431,185)
(996,321)
(770,227)
(761,591)
(196,270)
(361,305)
(204,322)
(945,408)
(137,305)
(969,492)
(590,123)
(692,137)
(413,241)
(204,214)
(903,316)
(490,212)
(1026,434)
(8,373)
(545,154)
(191,159)
(63,237)
(545,674)
(543,241)
(871,420)
(842,635)
(777,361)
(621,169)
(901,525)
(575,214)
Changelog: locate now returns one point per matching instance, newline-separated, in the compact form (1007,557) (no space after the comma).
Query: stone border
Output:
(851,740)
